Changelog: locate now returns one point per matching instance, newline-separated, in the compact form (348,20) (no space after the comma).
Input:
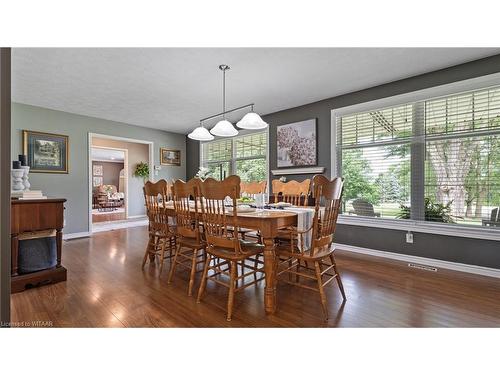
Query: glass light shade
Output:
(201,134)
(224,129)
(251,121)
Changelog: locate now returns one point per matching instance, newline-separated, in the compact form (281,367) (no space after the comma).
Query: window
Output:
(436,160)
(375,161)
(245,156)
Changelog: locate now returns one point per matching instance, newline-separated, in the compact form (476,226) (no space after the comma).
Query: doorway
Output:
(116,197)
(109,184)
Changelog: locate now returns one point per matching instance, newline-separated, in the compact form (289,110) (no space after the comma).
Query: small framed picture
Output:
(47,153)
(97,181)
(170,157)
(97,170)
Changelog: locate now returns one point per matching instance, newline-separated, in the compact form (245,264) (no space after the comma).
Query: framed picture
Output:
(97,170)
(97,181)
(297,144)
(170,157)
(47,153)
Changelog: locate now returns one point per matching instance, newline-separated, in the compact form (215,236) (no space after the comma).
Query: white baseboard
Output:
(137,217)
(469,268)
(71,236)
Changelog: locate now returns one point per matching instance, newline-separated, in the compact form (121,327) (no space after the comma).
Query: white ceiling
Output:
(103,154)
(173,88)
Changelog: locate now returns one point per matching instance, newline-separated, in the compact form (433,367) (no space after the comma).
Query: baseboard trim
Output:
(71,236)
(461,267)
(137,217)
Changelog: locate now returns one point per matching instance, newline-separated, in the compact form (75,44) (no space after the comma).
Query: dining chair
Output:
(224,248)
(190,245)
(293,192)
(320,253)
(161,233)
(251,189)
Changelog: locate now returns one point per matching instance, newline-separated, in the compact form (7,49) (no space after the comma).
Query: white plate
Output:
(242,209)
(281,204)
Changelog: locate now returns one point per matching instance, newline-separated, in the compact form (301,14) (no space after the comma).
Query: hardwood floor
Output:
(107,288)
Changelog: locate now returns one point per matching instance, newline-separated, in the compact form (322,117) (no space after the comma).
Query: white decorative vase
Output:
(17,179)
(26,183)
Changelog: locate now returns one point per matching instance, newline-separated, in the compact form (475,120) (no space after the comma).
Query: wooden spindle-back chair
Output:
(292,192)
(190,245)
(161,233)
(251,189)
(223,245)
(320,253)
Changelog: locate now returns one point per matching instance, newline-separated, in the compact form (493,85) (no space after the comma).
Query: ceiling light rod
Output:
(224,113)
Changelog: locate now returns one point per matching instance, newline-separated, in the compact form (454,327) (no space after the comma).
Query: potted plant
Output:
(142,171)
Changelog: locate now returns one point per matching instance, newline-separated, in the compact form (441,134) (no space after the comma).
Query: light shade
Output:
(201,134)
(251,121)
(224,129)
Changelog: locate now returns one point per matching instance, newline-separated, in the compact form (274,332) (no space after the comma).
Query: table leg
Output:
(269,267)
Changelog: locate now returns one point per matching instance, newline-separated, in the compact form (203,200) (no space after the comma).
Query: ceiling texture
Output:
(173,88)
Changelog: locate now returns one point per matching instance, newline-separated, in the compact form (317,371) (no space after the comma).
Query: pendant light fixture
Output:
(201,134)
(224,128)
(251,121)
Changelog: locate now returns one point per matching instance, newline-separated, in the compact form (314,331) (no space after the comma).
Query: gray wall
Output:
(74,186)
(5,114)
(455,249)
(110,172)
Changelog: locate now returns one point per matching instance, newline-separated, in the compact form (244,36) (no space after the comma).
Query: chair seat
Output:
(190,242)
(249,249)
(284,250)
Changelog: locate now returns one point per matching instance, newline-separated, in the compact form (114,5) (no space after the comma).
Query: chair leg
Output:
(339,281)
(297,269)
(232,282)
(173,264)
(203,283)
(162,254)
(290,263)
(193,272)
(147,251)
(321,290)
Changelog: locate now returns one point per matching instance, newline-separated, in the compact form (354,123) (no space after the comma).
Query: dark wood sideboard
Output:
(31,216)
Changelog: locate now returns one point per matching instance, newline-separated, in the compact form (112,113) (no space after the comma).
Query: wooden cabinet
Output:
(31,216)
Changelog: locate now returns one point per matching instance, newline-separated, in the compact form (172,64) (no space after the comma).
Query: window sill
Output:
(455,230)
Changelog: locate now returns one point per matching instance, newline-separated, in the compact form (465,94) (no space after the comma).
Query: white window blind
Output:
(442,155)
(462,167)
(375,161)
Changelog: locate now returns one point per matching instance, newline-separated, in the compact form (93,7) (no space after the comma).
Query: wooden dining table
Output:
(268,222)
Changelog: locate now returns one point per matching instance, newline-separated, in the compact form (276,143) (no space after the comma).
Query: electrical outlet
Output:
(409,237)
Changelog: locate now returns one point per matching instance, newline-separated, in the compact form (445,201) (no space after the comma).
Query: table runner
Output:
(305,216)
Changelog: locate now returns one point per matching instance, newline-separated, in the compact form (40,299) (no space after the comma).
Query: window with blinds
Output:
(374,159)
(245,156)
(442,155)
(462,166)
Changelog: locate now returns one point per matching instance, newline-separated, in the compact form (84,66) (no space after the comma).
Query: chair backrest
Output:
(328,196)
(186,214)
(155,195)
(495,215)
(215,214)
(251,189)
(293,192)
(362,207)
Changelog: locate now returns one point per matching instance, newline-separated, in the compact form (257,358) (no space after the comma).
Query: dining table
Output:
(268,222)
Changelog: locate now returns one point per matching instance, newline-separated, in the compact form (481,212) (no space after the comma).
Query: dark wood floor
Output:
(107,288)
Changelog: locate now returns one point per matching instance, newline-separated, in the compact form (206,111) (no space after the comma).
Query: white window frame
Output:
(458,230)
(233,152)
